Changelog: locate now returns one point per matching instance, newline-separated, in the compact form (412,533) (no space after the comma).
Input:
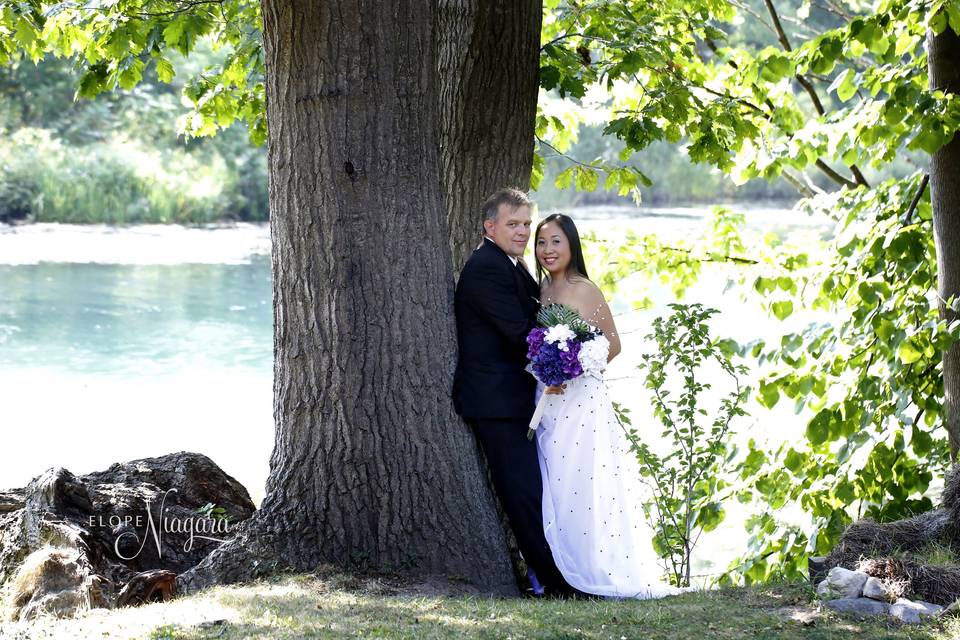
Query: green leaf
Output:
(711,516)
(793,461)
(564,179)
(844,85)
(549,77)
(572,86)
(764,286)
(953,16)
(867,293)
(921,442)
(906,41)
(776,67)
(131,71)
(25,33)
(165,71)
(769,394)
(928,139)
(818,429)
(938,22)
(173,33)
(908,352)
(93,82)
(782,309)
(586,178)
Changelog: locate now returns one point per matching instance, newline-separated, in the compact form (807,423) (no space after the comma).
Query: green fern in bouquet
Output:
(556,313)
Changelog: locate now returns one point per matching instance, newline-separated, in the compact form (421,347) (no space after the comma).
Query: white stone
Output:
(842,583)
(877,589)
(910,611)
(860,606)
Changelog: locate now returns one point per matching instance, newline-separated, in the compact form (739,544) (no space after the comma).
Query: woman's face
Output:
(553,249)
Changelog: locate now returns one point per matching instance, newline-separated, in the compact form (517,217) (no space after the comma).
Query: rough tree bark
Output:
(944,67)
(370,463)
(489,53)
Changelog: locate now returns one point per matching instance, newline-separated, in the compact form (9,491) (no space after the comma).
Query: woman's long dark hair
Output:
(577,265)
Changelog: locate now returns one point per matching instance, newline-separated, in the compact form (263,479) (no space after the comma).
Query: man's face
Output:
(510,229)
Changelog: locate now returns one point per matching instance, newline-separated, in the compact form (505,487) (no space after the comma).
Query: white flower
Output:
(593,356)
(560,335)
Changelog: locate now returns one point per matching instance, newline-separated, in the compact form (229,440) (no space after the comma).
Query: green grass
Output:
(338,606)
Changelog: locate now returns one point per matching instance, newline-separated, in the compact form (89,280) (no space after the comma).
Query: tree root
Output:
(890,550)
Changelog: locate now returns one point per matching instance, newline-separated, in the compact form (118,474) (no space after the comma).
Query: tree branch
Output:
(748,9)
(858,178)
(569,157)
(833,175)
(835,9)
(806,84)
(805,190)
(576,35)
(183,7)
(723,258)
(916,198)
(820,164)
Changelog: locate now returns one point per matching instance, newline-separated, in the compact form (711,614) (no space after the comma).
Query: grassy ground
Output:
(338,606)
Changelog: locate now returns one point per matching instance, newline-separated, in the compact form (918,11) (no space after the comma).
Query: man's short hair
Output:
(511,196)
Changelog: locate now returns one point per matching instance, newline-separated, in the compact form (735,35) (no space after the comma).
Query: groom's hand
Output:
(555,390)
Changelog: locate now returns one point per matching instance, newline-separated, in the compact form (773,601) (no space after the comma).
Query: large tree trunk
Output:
(489,53)
(371,464)
(944,66)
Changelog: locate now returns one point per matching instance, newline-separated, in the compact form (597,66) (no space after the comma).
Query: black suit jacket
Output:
(496,306)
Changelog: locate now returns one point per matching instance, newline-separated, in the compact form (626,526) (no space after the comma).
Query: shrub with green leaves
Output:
(118,181)
(688,483)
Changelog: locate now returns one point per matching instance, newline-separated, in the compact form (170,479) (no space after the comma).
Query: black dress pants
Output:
(513,464)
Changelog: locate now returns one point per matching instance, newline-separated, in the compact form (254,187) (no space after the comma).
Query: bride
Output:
(592,515)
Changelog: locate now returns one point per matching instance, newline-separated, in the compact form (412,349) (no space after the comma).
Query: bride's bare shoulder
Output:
(586,291)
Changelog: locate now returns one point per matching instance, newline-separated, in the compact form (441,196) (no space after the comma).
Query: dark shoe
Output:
(567,593)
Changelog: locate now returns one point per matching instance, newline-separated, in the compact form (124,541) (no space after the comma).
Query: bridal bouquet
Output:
(562,348)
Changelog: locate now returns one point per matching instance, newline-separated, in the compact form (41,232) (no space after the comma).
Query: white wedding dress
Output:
(592,513)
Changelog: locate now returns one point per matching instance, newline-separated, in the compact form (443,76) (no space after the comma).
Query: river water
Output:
(119,343)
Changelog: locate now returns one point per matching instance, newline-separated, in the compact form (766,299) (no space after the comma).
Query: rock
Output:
(859,606)
(817,568)
(54,582)
(877,589)
(11,500)
(806,618)
(102,534)
(842,583)
(910,612)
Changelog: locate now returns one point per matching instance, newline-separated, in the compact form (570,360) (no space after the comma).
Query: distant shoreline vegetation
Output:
(119,159)
(122,180)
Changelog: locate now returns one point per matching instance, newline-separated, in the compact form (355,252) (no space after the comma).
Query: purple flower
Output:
(535,341)
(570,360)
(553,363)
(550,366)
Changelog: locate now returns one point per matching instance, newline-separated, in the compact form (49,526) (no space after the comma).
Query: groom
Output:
(496,304)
